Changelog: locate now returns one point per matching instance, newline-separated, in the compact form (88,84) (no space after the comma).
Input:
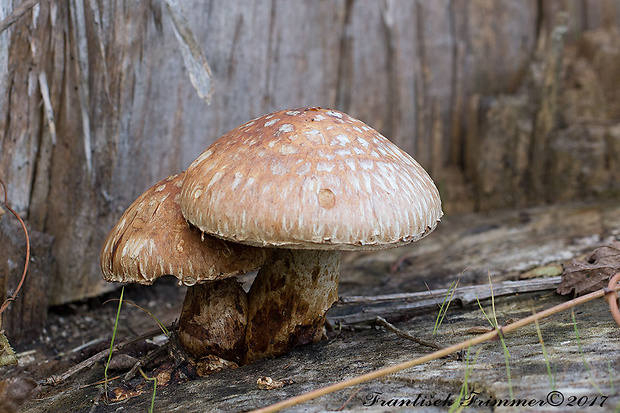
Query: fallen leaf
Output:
(167,373)
(122,362)
(7,355)
(211,363)
(550,270)
(267,383)
(123,392)
(170,372)
(583,276)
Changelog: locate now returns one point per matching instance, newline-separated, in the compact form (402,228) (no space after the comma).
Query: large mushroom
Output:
(153,239)
(308,183)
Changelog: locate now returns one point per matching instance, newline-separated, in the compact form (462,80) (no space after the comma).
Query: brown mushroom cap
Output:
(312,179)
(153,239)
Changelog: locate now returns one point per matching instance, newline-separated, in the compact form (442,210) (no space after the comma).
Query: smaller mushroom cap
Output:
(153,239)
(310,179)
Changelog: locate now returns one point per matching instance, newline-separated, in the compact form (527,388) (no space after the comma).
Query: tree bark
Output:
(97,103)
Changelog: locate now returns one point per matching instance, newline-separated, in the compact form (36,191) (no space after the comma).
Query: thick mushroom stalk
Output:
(289,300)
(214,319)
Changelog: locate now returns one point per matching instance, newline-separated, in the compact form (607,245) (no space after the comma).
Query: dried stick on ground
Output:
(152,355)
(396,305)
(59,378)
(404,334)
(465,295)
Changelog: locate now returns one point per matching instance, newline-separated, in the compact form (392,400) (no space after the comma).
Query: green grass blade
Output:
(544,352)
(443,309)
(507,359)
(107,364)
(495,324)
(457,406)
(154,380)
(583,356)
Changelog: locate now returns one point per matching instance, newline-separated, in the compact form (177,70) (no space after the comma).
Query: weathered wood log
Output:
(26,316)
(509,244)
(96,103)
(360,309)
(556,139)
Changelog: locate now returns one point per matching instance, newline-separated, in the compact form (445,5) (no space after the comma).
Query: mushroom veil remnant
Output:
(153,239)
(307,183)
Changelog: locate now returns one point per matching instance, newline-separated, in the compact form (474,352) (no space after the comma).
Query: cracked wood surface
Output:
(549,236)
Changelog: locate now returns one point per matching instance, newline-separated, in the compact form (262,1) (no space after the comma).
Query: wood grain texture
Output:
(25,316)
(126,115)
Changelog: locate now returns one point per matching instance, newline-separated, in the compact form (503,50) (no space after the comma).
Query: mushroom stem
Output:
(214,319)
(289,300)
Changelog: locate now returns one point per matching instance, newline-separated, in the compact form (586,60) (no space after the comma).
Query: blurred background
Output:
(508,104)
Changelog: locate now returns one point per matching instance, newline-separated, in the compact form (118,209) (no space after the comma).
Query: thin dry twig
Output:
(146,360)
(9,300)
(348,400)
(403,334)
(494,334)
(96,401)
(59,378)
(432,294)
(99,382)
(17,12)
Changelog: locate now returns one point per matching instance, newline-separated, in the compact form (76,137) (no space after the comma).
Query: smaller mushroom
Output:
(153,239)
